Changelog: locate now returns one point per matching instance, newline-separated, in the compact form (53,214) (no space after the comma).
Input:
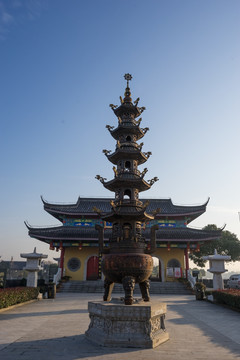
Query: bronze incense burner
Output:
(127,260)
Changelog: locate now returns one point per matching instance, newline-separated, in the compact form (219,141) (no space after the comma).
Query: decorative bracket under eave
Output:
(113,106)
(155,212)
(145,130)
(110,128)
(136,101)
(153,180)
(146,204)
(107,152)
(147,154)
(98,211)
(138,122)
(142,109)
(100,178)
(145,170)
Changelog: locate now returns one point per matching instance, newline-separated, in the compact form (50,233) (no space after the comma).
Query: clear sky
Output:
(62,63)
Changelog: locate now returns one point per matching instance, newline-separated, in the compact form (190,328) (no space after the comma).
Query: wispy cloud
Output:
(5,20)
(16,11)
(34,8)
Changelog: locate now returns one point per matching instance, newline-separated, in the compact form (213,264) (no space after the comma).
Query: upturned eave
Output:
(133,129)
(137,183)
(125,154)
(127,108)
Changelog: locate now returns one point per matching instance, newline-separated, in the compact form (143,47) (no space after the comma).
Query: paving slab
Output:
(54,329)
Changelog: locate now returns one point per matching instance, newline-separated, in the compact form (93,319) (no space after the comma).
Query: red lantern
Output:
(80,246)
(198,248)
(51,247)
(61,245)
(168,247)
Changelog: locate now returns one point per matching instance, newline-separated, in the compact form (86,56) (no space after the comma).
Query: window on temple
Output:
(128,138)
(73,264)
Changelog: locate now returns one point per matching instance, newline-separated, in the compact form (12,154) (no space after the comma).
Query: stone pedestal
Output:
(32,278)
(114,324)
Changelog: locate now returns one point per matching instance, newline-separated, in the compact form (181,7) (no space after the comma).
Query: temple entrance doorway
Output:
(174,269)
(92,268)
(157,270)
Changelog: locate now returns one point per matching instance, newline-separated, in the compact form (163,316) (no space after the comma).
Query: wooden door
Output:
(92,268)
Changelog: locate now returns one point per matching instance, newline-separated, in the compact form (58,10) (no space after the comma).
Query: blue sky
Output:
(62,63)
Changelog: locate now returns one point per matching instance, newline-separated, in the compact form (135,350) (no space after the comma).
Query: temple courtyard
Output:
(54,329)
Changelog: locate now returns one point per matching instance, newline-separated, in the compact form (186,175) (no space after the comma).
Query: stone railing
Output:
(57,276)
(191,279)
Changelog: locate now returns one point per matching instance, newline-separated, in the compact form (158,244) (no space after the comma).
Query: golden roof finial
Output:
(127,95)
(128,77)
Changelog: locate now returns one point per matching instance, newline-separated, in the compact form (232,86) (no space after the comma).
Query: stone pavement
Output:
(54,329)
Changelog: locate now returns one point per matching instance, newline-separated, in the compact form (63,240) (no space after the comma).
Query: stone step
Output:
(97,287)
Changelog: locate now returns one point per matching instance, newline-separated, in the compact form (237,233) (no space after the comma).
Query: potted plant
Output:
(200,290)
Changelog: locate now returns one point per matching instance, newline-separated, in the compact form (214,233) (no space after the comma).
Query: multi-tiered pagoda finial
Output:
(127,95)
(128,260)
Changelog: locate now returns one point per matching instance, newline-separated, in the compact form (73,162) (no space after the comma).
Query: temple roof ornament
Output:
(100,178)
(153,180)
(128,77)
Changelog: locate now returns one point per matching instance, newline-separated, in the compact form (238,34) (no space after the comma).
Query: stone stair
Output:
(97,287)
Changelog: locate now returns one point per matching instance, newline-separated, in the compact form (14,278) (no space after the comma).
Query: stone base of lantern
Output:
(218,281)
(32,278)
(114,324)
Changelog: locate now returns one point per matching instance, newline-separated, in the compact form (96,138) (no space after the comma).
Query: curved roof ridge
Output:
(169,199)
(80,199)
(191,205)
(223,227)
(59,203)
(218,230)
(85,205)
(30,227)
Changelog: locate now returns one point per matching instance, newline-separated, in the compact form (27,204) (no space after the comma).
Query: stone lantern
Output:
(33,266)
(216,263)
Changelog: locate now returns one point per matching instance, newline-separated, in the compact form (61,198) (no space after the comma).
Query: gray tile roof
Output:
(85,206)
(76,233)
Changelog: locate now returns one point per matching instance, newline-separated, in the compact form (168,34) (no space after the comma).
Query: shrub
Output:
(12,296)
(230,297)
(208,292)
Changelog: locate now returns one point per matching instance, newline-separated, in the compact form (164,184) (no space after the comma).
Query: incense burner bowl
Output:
(127,269)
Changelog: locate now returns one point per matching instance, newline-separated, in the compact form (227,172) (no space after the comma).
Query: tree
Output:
(227,244)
